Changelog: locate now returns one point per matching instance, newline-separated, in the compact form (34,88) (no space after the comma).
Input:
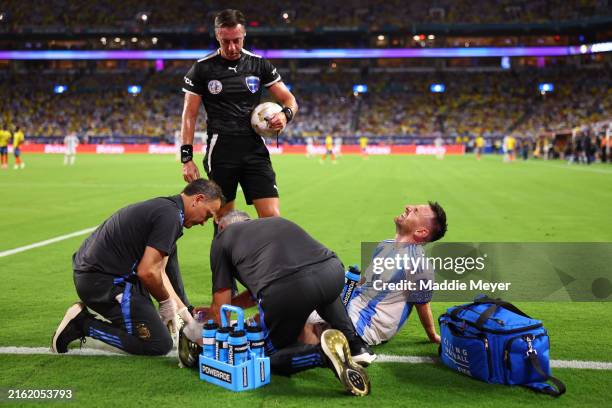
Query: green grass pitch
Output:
(340,205)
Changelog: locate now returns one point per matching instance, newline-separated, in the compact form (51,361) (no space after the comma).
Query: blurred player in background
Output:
(18,139)
(509,146)
(309,147)
(5,135)
(329,149)
(71,141)
(338,146)
(363,145)
(229,82)
(479,146)
(177,145)
(439,144)
(377,312)
(121,265)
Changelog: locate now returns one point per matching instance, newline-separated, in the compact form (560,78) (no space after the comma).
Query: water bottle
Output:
(221,344)
(353,275)
(237,347)
(208,339)
(255,336)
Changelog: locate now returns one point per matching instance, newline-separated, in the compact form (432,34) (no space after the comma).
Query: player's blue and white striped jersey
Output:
(384,301)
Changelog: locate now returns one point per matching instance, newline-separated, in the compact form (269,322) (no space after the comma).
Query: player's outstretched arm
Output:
(427,321)
(188,124)
(283,96)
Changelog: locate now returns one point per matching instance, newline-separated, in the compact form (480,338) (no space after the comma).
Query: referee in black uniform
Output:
(289,274)
(121,265)
(229,83)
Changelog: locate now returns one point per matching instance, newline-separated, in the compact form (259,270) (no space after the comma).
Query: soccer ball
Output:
(260,116)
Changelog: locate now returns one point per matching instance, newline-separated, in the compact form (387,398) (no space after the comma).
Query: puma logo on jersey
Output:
(234,68)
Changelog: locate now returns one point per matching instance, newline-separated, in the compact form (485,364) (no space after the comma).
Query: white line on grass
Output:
(46,242)
(382,358)
(575,167)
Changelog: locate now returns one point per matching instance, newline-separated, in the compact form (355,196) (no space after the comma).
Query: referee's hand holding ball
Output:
(278,121)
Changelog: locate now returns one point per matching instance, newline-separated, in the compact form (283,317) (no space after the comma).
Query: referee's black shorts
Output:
(232,159)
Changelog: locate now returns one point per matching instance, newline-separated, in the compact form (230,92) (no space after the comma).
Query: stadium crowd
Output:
(396,105)
(306,15)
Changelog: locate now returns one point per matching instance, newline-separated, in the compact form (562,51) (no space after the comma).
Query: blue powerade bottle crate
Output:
(245,367)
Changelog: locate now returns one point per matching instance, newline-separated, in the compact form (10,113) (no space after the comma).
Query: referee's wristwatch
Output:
(288,113)
(186,153)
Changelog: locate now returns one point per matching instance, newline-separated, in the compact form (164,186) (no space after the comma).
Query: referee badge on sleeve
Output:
(252,82)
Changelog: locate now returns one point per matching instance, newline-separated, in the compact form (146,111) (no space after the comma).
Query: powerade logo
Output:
(349,292)
(241,349)
(257,344)
(216,373)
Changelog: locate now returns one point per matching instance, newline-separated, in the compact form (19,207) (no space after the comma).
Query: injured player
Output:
(382,303)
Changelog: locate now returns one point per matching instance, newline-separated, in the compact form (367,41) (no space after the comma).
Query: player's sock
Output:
(296,358)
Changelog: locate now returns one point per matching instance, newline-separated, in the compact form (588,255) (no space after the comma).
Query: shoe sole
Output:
(71,313)
(353,377)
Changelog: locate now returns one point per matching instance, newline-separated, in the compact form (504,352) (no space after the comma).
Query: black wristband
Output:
(186,153)
(288,113)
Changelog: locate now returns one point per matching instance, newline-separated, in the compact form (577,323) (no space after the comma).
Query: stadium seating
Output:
(303,15)
(397,105)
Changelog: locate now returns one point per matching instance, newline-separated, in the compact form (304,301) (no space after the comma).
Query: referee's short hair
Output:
(232,217)
(229,18)
(208,188)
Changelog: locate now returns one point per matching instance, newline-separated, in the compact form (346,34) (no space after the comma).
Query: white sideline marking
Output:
(573,166)
(46,242)
(382,358)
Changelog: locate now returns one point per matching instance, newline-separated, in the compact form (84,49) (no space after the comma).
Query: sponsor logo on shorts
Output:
(216,373)
(215,87)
